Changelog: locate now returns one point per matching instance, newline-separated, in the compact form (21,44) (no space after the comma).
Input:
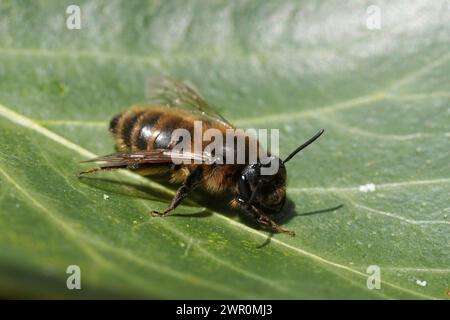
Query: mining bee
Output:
(145,144)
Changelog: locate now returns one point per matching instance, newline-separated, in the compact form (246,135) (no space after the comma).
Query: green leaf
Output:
(382,96)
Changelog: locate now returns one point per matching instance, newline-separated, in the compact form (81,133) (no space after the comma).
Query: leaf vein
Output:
(389,185)
(396,216)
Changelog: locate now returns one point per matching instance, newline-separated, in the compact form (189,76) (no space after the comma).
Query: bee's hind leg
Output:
(99,169)
(263,219)
(190,184)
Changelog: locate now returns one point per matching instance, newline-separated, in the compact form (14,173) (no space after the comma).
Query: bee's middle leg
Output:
(190,184)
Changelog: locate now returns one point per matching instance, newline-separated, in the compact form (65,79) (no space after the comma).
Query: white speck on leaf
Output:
(421,283)
(105,197)
(370,187)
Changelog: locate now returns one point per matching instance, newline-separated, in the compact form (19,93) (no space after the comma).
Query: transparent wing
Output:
(158,156)
(174,93)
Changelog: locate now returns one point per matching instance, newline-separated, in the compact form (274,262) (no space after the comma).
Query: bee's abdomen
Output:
(144,129)
(113,123)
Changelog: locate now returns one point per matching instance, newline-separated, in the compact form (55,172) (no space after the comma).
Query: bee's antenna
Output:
(303,146)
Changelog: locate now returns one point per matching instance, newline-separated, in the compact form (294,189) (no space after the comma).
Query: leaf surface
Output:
(373,190)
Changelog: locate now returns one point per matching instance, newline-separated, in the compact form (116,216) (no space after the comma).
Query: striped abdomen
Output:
(147,128)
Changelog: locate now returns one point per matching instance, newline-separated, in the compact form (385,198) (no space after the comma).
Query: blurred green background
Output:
(382,95)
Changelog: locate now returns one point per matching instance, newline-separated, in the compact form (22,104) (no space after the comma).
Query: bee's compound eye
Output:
(244,188)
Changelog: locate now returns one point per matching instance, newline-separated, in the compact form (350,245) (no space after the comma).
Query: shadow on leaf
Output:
(218,203)
(289,213)
(126,188)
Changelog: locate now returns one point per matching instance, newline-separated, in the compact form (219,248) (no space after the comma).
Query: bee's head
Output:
(264,189)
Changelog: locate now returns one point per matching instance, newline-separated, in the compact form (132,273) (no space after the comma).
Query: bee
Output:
(145,144)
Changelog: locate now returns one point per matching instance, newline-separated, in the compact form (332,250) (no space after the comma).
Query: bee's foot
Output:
(283,230)
(83,173)
(291,233)
(155,213)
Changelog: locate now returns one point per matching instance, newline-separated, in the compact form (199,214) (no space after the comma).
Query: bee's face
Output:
(271,194)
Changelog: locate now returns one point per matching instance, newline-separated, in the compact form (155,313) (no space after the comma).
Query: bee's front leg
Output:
(191,182)
(262,218)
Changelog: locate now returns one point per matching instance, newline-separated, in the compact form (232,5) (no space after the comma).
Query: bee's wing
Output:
(174,93)
(158,156)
